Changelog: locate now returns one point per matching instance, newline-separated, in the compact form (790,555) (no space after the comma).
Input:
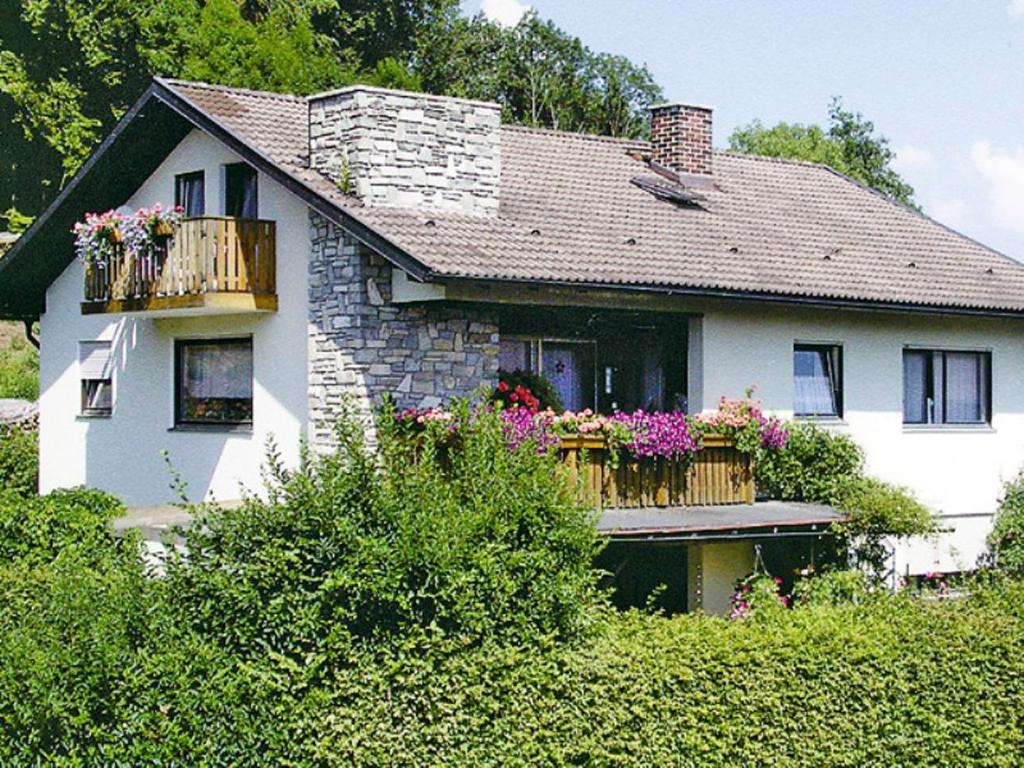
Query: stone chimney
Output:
(681,138)
(408,150)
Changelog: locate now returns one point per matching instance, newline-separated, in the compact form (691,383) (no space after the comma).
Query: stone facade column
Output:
(363,345)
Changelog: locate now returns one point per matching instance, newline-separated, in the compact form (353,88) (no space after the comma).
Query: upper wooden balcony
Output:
(211,264)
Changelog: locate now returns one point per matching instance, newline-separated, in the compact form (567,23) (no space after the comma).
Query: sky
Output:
(943,80)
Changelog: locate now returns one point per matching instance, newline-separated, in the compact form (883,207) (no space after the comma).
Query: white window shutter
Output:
(95,360)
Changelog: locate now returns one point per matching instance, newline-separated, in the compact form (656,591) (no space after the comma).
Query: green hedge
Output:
(91,673)
(19,460)
(370,614)
(894,682)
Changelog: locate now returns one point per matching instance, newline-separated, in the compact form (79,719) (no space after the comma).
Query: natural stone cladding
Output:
(362,344)
(409,150)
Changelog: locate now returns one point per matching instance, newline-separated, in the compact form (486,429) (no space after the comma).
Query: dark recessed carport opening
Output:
(638,570)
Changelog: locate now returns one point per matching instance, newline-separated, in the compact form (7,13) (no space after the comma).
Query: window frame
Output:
(984,357)
(180,345)
(242,169)
(179,180)
(85,409)
(838,387)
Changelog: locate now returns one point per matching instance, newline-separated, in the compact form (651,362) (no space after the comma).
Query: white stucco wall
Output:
(122,454)
(956,472)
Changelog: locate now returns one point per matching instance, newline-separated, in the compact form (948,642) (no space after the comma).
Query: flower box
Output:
(717,474)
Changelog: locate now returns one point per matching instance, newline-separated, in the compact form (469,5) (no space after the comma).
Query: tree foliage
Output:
(541,75)
(1006,540)
(70,68)
(849,145)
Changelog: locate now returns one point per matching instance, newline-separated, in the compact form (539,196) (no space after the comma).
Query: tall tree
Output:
(541,75)
(70,68)
(849,145)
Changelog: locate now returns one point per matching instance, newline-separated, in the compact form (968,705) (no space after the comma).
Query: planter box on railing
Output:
(217,262)
(718,474)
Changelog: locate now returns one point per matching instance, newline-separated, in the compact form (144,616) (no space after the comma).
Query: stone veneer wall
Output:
(362,344)
(409,150)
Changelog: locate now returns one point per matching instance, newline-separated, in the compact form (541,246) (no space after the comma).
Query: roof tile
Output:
(570,213)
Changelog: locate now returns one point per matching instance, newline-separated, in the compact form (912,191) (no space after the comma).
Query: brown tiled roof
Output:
(570,214)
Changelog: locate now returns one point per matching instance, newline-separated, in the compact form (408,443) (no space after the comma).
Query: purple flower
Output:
(662,435)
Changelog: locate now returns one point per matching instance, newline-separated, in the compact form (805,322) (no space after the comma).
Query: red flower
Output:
(502,386)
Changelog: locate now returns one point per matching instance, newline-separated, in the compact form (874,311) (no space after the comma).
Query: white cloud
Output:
(910,158)
(1015,8)
(953,212)
(507,13)
(1003,172)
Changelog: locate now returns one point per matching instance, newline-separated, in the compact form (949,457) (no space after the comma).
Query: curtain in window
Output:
(190,193)
(814,383)
(217,371)
(915,387)
(241,193)
(964,400)
(515,355)
(569,366)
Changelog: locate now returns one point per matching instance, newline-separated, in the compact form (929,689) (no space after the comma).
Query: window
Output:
(618,362)
(190,192)
(946,387)
(818,380)
(95,368)
(213,381)
(240,193)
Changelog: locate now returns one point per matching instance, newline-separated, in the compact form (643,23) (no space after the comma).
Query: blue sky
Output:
(942,79)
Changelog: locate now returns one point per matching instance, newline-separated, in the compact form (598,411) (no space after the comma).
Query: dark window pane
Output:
(816,380)
(964,388)
(240,199)
(97,397)
(190,193)
(215,381)
(915,387)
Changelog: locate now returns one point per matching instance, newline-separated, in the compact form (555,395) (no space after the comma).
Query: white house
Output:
(380,242)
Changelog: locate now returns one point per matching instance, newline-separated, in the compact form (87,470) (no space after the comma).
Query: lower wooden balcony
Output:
(210,265)
(718,474)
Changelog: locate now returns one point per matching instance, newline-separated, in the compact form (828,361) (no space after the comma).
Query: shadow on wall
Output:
(125,453)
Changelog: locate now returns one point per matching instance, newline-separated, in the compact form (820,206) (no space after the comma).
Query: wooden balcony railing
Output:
(718,474)
(219,263)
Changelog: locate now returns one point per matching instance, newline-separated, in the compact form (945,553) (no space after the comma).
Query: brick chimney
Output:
(408,150)
(681,138)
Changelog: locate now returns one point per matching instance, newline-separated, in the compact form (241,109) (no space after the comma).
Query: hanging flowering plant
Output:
(642,434)
(742,420)
(149,227)
(97,238)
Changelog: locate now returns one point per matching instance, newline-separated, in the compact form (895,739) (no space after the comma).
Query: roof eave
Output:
(824,302)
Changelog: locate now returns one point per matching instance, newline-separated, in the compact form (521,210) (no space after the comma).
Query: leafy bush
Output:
(810,466)
(832,588)
(420,538)
(396,608)
(39,529)
(1006,541)
(875,513)
(537,384)
(19,369)
(19,460)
